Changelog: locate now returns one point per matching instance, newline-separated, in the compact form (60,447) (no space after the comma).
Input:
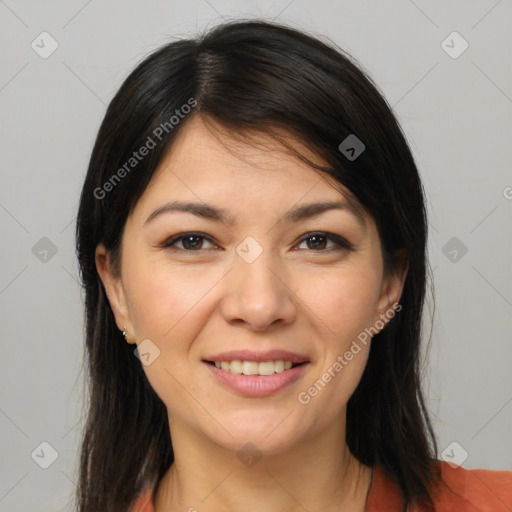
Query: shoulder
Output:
(460,489)
(143,503)
(464,490)
(475,490)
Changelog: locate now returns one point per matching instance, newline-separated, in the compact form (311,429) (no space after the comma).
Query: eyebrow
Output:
(294,215)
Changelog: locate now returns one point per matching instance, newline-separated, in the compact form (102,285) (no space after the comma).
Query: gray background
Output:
(456,113)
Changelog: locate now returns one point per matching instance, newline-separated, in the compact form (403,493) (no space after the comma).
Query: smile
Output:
(254,367)
(247,379)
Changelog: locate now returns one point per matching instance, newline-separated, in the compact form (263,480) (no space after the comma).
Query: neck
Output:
(319,474)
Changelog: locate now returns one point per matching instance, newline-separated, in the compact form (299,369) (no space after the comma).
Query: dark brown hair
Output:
(252,76)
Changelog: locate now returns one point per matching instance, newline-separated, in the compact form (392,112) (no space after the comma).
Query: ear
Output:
(113,288)
(391,290)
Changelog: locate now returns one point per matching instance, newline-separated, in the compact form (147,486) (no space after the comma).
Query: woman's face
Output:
(254,273)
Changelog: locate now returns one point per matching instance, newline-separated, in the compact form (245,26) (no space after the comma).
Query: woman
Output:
(252,223)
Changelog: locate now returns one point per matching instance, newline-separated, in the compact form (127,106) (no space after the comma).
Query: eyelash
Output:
(340,242)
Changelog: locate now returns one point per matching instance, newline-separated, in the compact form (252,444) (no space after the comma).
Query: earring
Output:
(125,336)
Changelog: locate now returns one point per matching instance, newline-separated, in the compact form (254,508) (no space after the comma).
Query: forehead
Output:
(208,163)
(216,148)
(206,149)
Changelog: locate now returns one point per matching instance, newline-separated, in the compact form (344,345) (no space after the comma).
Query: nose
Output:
(259,294)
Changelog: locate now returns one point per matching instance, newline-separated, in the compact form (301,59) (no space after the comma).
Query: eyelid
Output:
(171,241)
(338,240)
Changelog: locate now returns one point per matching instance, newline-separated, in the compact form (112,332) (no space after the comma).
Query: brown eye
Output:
(192,242)
(318,242)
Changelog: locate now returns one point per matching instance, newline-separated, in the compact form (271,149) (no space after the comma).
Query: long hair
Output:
(252,76)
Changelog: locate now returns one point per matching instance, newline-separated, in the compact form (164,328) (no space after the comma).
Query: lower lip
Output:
(257,385)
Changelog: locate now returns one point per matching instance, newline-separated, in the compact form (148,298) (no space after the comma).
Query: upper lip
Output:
(252,355)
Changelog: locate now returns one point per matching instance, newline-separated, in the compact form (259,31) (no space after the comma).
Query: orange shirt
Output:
(466,490)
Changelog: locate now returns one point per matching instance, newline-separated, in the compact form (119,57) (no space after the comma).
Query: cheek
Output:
(161,298)
(343,302)
(343,306)
(170,307)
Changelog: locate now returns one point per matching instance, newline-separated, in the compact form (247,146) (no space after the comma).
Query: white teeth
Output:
(278,366)
(250,368)
(255,368)
(235,366)
(266,368)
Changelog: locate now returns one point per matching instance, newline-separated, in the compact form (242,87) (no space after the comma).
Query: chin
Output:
(273,435)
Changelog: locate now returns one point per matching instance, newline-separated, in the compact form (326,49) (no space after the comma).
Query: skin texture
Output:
(297,296)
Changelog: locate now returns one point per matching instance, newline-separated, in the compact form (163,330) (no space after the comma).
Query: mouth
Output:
(257,373)
(260,368)
(254,379)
